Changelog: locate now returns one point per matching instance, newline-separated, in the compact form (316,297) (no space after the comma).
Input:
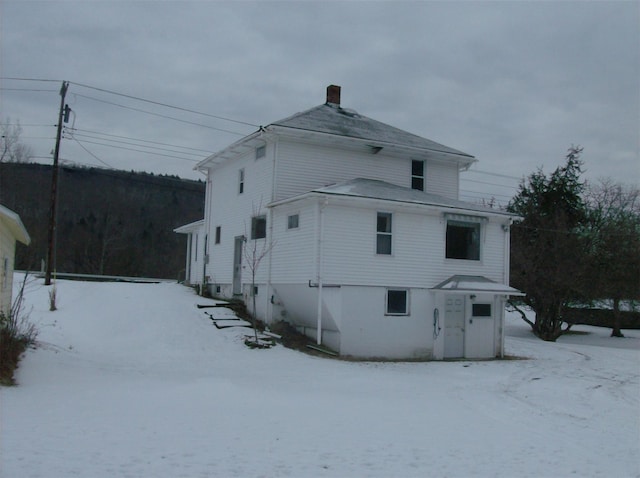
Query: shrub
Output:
(16,334)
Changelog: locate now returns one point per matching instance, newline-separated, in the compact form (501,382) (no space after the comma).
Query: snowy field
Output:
(132,380)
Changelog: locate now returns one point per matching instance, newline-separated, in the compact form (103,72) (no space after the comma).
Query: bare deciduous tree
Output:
(255,249)
(12,149)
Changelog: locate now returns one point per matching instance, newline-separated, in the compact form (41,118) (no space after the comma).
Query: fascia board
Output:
(345,199)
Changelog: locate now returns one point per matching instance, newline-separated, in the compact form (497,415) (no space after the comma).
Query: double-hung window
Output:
(241,181)
(417,175)
(383,233)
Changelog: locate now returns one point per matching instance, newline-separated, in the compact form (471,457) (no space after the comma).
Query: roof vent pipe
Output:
(333,95)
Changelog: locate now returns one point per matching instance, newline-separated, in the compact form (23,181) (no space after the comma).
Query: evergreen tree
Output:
(547,252)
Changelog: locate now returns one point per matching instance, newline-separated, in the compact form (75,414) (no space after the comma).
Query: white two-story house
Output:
(352,231)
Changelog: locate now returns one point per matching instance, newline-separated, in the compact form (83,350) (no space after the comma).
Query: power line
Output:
(139,140)
(27,89)
(73,134)
(142,151)
(158,114)
(83,147)
(165,105)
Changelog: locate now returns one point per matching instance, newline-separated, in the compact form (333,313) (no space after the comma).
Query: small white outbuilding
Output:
(11,231)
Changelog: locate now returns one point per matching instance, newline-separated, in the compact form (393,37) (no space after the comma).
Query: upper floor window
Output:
(261,152)
(417,175)
(258,227)
(383,233)
(293,221)
(463,240)
(241,181)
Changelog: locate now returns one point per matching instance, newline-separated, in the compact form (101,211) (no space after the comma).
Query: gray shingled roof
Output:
(375,189)
(333,119)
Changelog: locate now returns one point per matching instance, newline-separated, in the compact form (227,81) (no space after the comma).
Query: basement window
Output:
(463,240)
(397,302)
(258,227)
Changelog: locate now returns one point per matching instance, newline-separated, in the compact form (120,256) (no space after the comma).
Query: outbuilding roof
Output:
(478,284)
(14,224)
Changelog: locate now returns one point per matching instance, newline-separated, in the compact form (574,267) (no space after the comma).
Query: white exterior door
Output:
(480,329)
(237,265)
(454,326)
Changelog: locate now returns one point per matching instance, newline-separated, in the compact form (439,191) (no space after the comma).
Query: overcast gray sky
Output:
(513,83)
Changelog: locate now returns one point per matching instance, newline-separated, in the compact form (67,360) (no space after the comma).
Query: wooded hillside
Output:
(109,222)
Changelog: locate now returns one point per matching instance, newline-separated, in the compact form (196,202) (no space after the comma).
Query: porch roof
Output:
(464,284)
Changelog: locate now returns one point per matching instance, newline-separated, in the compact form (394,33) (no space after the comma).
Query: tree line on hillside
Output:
(108,222)
(576,245)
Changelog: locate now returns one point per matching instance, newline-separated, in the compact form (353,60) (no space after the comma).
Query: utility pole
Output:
(54,188)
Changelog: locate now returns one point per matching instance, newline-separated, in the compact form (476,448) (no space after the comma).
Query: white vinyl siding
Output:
(234,217)
(294,250)
(418,250)
(442,179)
(303,167)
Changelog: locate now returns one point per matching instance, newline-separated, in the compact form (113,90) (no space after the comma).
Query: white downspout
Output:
(269,307)
(505,274)
(320,272)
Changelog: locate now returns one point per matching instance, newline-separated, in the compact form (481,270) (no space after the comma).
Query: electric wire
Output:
(166,105)
(140,140)
(158,114)
(82,135)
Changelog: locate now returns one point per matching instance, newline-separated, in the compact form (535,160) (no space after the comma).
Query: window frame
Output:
(255,220)
(290,221)
(479,309)
(241,178)
(407,309)
(384,234)
(450,247)
(418,177)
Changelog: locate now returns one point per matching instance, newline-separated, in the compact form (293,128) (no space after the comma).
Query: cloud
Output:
(514,83)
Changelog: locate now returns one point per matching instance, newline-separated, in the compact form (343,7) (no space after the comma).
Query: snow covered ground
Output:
(132,380)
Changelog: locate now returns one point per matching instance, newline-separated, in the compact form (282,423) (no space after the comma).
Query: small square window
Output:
(383,235)
(259,227)
(481,310)
(293,221)
(218,234)
(397,302)
(261,152)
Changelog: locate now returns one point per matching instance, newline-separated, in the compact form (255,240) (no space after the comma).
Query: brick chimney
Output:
(333,95)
